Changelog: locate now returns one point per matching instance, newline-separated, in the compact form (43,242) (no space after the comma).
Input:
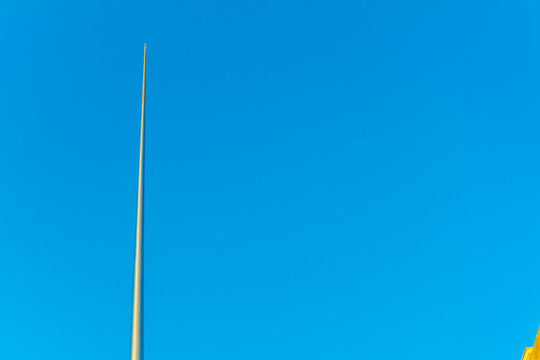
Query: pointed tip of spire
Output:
(144,46)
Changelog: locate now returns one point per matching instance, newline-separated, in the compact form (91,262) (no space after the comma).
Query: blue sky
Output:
(325,180)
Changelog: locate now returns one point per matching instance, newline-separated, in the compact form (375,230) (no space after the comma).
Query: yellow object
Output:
(533,353)
(137,322)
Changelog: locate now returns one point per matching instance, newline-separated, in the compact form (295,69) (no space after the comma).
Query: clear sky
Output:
(325,179)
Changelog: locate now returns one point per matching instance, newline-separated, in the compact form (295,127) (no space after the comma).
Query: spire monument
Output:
(137,322)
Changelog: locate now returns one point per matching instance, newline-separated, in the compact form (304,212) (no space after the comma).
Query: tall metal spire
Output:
(137,322)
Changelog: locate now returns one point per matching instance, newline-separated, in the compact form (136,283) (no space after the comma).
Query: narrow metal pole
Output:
(137,322)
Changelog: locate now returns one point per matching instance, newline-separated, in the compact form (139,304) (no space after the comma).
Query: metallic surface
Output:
(137,322)
(533,353)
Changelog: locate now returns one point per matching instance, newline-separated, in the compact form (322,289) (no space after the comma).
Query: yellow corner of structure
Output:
(533,353)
